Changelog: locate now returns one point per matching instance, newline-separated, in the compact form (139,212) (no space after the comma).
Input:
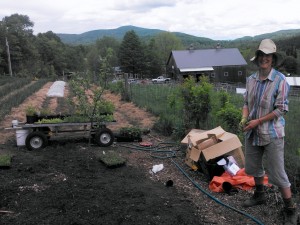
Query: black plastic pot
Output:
(31,119)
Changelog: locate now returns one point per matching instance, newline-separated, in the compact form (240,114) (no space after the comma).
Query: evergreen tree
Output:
(131,54)
(153,66)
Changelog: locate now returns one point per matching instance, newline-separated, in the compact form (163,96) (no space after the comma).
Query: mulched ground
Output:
(66,183)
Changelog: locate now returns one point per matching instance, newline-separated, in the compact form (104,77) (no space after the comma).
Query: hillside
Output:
(281,34)
(146,34)
(118,33)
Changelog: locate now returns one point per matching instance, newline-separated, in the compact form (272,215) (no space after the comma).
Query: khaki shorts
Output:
(274,153)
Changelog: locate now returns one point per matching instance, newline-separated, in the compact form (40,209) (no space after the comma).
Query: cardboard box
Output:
(207,146)
(188,160)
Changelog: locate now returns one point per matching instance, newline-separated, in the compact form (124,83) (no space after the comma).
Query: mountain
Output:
(118,33)
(146,34)
(281,34)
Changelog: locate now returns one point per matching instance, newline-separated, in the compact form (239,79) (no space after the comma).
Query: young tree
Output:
(87,91)
(228,115)
(196,101)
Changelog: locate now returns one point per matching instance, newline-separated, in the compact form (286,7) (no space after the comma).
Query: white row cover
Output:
(57,89)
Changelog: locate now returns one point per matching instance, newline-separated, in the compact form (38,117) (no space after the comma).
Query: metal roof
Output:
(202,58)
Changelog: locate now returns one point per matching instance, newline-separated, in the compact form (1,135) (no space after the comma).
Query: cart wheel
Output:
(104,137)
(36,141)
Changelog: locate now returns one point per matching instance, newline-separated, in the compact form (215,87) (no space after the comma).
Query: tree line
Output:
(44,55)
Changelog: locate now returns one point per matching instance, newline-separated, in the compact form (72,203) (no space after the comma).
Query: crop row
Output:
(15,97)
(9,85)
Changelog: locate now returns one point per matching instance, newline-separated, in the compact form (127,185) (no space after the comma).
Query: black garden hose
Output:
(159,152)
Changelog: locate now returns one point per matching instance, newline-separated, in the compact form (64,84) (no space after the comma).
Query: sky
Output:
(215,19)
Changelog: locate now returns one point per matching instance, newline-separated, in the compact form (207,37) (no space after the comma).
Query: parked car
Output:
(132,81)
(116,80)
(161,79)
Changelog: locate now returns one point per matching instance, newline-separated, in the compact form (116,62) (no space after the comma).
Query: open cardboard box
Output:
(205,146)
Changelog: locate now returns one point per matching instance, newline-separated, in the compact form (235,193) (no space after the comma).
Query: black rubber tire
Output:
(36,140)
(104,137)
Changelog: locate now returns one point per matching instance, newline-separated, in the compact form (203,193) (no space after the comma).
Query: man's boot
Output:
(257,199)
(290,215)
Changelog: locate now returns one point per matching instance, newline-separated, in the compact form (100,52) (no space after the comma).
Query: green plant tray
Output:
(112,159)
(5,161)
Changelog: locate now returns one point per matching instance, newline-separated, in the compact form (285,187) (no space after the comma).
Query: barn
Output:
(221,65)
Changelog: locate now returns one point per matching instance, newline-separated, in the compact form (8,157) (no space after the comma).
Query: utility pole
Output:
(8,55)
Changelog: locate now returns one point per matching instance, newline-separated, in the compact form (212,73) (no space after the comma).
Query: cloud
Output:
(142,6)
(216,19)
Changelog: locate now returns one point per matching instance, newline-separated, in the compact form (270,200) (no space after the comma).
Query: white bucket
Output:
(21,137)
(15,123)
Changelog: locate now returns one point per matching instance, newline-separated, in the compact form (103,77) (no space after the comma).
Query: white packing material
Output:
(157,168)
(57,89)
(229,165)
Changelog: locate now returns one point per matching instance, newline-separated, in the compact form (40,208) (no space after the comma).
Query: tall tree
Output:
(290,64)
(152,67)
(56,57)
(106,43)
(17,29)
(51,52)
(99,50)
(131,53)
(166,42)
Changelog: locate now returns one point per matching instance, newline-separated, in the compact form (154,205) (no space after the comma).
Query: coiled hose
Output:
(159,151)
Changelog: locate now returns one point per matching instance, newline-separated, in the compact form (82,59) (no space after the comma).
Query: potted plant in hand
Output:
(31,116)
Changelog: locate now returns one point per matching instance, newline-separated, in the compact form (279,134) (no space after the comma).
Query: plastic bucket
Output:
(21,137)
(15,123)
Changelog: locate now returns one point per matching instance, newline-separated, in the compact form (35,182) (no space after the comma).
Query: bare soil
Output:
(66,183)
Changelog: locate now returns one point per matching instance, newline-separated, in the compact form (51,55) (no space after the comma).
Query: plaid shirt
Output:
(262,98)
